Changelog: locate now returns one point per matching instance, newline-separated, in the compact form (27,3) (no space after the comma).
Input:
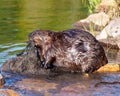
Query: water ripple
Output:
(9,51)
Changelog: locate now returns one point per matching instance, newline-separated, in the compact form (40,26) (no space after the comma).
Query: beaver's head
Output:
(41,38)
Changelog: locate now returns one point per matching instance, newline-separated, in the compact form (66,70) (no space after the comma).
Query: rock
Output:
(112,30)
(110,68)
(87,86)
(73,90)
(62,85)
(24,64)
(95,21)
(8,92)
(110,7)
(109,43)
(38,85)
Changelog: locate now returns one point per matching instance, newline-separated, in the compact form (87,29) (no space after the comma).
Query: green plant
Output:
(92,4)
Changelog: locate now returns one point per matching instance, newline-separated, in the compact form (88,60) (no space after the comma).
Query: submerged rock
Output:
(63,85)
(8,92)
(38,85)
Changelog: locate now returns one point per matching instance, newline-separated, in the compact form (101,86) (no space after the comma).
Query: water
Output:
(96,84)
(20,17)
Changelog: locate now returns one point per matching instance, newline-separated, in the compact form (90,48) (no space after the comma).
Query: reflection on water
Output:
(20,17)
(10,50)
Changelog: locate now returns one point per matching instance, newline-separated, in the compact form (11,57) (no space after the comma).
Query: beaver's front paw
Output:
(48,66)
(42,64)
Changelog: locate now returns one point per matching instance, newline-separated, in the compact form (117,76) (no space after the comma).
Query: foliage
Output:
(92,4)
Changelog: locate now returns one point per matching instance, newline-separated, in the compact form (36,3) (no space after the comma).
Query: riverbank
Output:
(104,23)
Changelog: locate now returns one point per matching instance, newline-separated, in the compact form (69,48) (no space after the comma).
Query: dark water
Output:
(20,17)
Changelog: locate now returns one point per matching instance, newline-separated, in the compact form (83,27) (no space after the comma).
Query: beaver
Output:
(73,49)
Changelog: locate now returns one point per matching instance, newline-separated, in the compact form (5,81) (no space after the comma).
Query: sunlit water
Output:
(20,17)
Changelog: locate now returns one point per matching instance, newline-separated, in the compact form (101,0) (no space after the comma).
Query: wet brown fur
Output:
(73,49)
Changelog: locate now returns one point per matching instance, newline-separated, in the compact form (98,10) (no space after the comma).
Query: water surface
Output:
(96,84)
(20,17)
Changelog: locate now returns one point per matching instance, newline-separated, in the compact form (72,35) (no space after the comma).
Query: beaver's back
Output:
(84,54)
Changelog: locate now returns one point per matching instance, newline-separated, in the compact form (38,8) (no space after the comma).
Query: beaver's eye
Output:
(46,39)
